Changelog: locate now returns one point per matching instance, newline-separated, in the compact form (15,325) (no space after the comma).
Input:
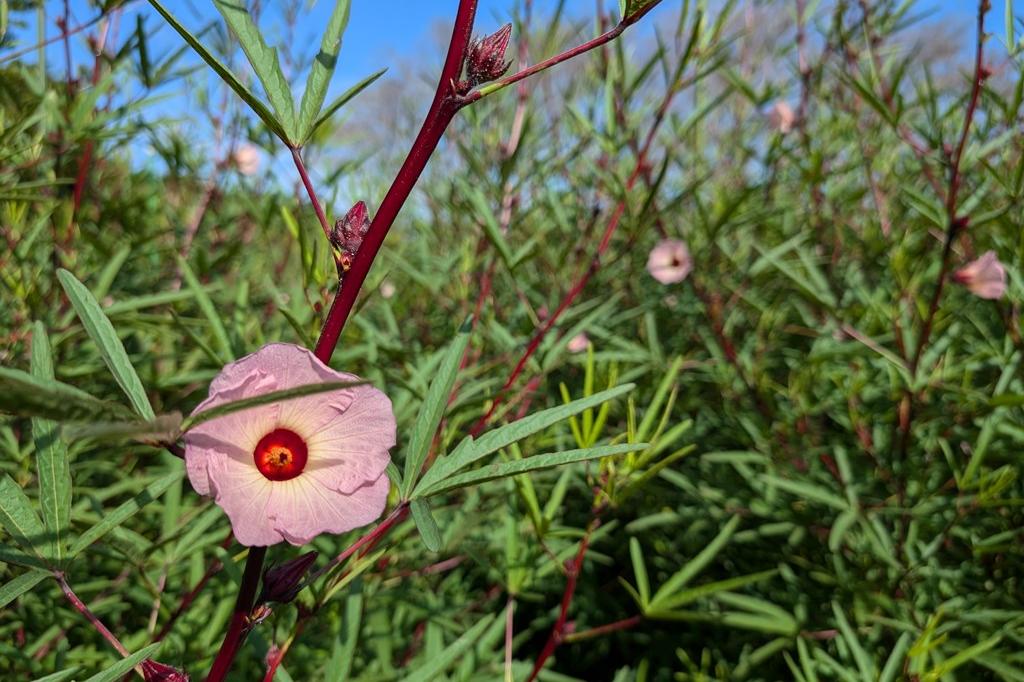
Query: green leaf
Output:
(18,518)
(125,511)
(322,69)
(342,100)
(697,564)
(124,666)
(634,7)
(865,664)
(681,598)
(469,450)
(61,676)
(432,409)
(339,668)
(426,525)
(24,395)
(209,311)
(264,62)
(103,335)
(20,585)
(264,399)
(643,585)
(807,491)
(497,470)
(224,72)
(51,457)
(438,663)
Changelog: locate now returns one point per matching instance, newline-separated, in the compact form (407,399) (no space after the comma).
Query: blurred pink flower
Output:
(387,289)
(291,470)
(669,262)
(782,117)
(984,277)
(578,343)
(247,159)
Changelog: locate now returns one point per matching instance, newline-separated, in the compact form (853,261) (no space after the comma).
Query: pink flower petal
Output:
(347,433)
(669,261)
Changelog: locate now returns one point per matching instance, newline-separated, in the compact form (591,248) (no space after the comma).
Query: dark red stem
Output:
(572,575)
(297,158)
(600,40)
(239,626)
(440,114)
(96,623)
(624,624)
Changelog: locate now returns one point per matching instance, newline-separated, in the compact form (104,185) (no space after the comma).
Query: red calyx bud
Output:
(281,583)
(485,59)
(152,671)
(347,236)
(961,222)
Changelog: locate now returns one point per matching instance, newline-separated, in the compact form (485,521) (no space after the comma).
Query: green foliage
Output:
(763,481)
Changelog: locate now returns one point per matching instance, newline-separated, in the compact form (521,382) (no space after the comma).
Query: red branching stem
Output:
(301,167)
(440,114)
(96,623)
(238,628)
(368,540)
(954,222)
(558,632)
(581,282)
(591,44)
(624,624)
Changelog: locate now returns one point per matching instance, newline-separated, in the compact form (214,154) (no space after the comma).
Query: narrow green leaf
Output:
(18,518)
(865,665)
(438,663)
(697,564)
(20,585)
(322,69)
(643,585)
(683,597)
(264,62)
(125,665)
(24,395)
(62,676)
(339,667)
(432,409)
(264,399)
(125,511)
(103,335)
(51,457)
(894,665)
(426,525)
(342,100)
(209,310)
(807,491)
(224,72)
(469,450)
(497,470)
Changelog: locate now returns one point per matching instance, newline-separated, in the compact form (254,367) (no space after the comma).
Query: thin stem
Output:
(955,224)
(96,623)
(624,624)
(372,537)
(239,625)
(600,40)
(573,569)
(301,167)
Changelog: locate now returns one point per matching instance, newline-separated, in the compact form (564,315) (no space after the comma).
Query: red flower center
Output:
(280,455)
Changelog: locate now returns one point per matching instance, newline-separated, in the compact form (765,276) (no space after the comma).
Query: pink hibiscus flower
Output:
(984,277)
(669,261)
(293,469)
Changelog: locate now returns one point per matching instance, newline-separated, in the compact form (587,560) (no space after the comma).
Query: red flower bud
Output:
(347,236)
(282,583)
(485,58)
(153,671)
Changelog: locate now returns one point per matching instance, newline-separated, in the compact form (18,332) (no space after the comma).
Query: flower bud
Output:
(485,58)
(984,277)
(153,671)
(281,583)
(347,236)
